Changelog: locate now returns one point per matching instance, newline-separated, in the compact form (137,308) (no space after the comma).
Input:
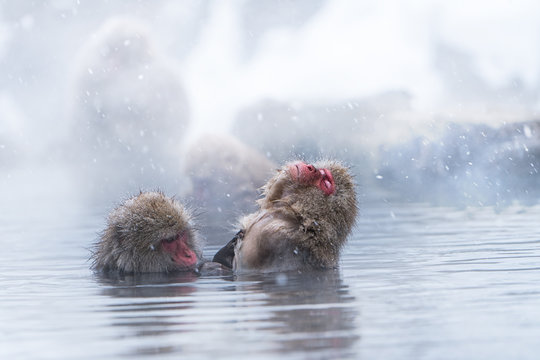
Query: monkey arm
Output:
(225,255)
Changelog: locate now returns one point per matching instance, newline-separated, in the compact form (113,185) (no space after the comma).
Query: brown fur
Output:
(131,242)
(297,225)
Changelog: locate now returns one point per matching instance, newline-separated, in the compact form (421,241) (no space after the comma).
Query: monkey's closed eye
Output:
(169,240)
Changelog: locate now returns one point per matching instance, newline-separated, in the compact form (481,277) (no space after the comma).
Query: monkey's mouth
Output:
(307,174)
(327,183)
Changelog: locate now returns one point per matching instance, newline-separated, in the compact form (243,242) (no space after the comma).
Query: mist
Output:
(426,100)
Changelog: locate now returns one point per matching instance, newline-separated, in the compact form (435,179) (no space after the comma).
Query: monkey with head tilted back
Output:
(303,221)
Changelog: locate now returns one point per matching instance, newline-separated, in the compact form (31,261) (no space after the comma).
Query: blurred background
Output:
(431,101)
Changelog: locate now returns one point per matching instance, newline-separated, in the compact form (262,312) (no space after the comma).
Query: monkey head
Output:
(148,233)
(323,191)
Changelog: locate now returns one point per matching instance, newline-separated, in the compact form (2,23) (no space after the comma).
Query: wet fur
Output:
(131,242)
(297,225)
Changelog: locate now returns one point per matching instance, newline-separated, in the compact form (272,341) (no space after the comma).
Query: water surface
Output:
(415,282)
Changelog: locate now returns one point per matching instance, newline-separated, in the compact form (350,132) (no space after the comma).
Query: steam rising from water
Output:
(451,62)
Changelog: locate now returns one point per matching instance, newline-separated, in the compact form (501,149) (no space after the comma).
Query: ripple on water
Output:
(415,282)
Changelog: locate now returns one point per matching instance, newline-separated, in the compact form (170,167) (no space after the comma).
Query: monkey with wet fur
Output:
(303,221)
(148,233)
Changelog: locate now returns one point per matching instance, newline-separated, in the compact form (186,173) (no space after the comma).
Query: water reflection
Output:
(294,312)
(147,285)
(312,310)
(145,314)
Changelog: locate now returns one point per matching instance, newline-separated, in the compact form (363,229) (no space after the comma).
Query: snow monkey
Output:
(304,218)
(130,112)
(148,233)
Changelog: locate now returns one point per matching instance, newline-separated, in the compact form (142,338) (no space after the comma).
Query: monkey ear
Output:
(225,255)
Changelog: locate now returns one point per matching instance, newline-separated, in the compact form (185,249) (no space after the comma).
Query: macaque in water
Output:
(307,212)
(148,233)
